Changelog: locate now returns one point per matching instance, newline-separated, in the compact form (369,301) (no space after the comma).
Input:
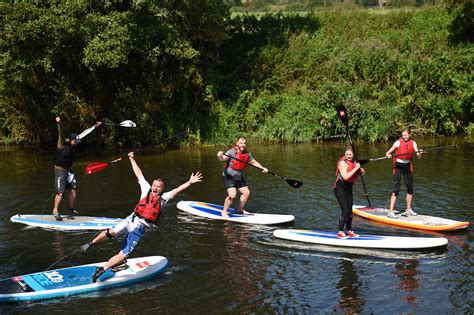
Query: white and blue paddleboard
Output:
(365,241)
(212,211)
(48,221)
(74,280)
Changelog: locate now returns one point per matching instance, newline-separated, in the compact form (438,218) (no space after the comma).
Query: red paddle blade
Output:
(95,167)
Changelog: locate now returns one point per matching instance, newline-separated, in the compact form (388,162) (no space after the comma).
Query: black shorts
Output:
(64,180)
(236,181)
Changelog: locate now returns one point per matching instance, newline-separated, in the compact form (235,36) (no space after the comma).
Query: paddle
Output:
(363,162)
(125,123)
(72,253)
(342,114)
(95,167)
(293,183)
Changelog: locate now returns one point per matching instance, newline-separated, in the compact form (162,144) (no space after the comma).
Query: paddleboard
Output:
(212,211)
(422,222)
(365,241)
(48,221)
(74,280)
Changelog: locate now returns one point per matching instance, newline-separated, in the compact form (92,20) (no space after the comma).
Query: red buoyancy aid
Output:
(350,167)
(149,207)
(237,165)
(406,150)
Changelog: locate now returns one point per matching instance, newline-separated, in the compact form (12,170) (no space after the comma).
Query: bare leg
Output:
(72,199)
(409,199)
(102,236)
(232,192)
(393,199)
(57,201)
(244,197)
(114,261)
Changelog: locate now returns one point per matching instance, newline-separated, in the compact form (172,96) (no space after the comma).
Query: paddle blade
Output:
(363,162)
(342,114)
(128,124)
(95,167)
(294,183)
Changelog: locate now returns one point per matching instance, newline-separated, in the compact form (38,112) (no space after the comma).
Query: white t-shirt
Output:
(145,188)
(397,144)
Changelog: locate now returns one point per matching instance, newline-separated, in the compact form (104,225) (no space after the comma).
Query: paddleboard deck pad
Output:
(363,241)
(74,280)
(48,221)
(422,222)
(212,211)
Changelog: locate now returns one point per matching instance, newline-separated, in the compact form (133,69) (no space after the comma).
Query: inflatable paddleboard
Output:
(422,222)
(365,241)
(74,280)
(212,211)
(48,221)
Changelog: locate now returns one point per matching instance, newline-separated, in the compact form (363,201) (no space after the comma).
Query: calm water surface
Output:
(223,267)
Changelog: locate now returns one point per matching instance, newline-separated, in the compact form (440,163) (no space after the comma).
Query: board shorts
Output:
(64,180)
(135,229)
(236,181)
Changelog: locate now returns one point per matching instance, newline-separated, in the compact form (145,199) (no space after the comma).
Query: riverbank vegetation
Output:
(172,65)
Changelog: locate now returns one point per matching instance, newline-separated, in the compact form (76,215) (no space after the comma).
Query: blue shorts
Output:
(135,230)
(131,240)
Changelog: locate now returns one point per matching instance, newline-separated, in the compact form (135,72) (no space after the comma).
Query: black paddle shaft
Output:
(342,114)
(293,183)
(362,162)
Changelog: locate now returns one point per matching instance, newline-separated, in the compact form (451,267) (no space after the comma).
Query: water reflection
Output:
(351,300)
(407,271)
(244,270)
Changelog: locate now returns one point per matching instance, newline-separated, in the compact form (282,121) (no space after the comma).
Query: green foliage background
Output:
(170,65)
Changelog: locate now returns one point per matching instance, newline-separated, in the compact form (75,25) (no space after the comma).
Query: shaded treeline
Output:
(170,65)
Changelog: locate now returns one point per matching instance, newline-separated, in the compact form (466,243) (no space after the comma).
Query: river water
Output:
(221,267)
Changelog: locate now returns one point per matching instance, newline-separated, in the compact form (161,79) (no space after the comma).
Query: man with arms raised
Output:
(146,212)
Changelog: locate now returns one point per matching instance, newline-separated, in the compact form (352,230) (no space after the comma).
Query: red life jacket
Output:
(406,150)
(237,165)
(350,167)
(149,208)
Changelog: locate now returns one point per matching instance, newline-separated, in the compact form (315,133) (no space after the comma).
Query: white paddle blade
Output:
(128,124)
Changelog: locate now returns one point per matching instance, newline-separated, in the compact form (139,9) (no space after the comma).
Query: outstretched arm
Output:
(136,169)
(60,144)
(194,178)
(257,164)
(388,153)
(89,130)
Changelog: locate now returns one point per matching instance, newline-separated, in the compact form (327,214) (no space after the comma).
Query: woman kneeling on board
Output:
(347,172)
(147,212)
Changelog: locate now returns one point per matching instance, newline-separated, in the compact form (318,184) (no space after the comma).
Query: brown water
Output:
(223,267)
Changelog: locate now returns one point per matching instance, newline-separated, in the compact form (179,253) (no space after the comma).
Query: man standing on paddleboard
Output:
(237,159)
(64,178)
(146,213)
(402,165)
(347,173)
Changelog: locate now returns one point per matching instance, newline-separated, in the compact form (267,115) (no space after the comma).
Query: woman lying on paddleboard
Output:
(347,172)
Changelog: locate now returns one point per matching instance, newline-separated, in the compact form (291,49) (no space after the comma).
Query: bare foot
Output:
(225,214)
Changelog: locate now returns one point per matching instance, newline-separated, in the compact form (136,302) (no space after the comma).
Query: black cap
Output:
(74,136)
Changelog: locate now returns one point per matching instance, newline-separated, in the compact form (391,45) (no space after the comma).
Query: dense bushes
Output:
(170,65)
